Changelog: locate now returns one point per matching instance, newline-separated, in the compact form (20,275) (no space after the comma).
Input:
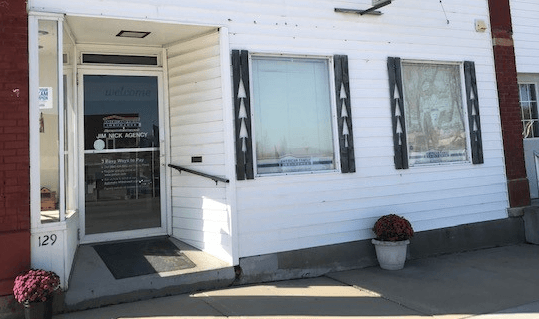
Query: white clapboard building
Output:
(295,125)
(525,25)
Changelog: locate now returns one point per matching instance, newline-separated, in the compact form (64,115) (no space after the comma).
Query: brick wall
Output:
(14,143)
(506,76)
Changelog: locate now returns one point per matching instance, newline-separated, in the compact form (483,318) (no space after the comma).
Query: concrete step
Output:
(531,224)
(92,285)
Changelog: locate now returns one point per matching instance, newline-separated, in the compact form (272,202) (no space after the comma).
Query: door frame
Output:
(163,147)
(531,144)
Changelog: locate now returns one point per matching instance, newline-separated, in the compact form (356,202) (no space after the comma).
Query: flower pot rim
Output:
(390,243)
(29,303)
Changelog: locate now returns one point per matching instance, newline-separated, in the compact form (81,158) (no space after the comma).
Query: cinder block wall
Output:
(14,144)
(506,76)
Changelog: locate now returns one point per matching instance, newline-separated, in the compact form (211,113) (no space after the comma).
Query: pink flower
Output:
(35,285)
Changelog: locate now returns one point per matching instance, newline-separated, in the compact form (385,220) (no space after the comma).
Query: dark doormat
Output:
(142,257)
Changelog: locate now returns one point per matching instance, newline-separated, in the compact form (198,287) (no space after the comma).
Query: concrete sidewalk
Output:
(486,284)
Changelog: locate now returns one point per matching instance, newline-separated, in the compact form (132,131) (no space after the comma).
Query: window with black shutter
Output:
(435,116)
(291,112)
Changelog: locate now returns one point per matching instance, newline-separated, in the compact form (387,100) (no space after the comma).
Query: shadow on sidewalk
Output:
(450,286)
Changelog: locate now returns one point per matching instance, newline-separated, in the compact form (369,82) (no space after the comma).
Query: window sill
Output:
(439,166)
(49,221)
(54,226)
(296,173)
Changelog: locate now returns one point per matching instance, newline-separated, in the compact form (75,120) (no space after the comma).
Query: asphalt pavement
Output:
(494,283)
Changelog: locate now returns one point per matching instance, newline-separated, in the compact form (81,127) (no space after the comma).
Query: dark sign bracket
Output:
(370,10)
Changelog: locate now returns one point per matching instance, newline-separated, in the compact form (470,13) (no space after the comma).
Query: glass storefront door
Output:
(122,175)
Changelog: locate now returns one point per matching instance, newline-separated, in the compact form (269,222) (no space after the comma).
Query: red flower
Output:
(393,228)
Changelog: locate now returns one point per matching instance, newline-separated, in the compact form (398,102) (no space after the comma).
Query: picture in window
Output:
(434,113)
(292,115)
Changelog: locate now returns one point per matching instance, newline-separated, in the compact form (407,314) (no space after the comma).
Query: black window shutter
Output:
(242,115)
(344,114)
(473,112)
(397,113)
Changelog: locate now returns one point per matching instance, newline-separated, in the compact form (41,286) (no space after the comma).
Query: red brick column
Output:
(506,76)
(14,144)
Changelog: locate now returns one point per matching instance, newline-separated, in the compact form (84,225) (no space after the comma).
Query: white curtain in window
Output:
(292,111)
(433,103)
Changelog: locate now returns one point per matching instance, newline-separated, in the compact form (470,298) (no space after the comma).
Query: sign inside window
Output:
(45,98)
(288,164)
(120,112)
(433,104)
(118,171)
(122,191)
(114,131)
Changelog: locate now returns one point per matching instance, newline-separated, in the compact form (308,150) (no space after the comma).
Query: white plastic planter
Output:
(391,254)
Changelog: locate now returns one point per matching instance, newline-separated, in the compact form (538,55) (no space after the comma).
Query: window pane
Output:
(121,160)
(49,120)
(532,92)
(434,113)
(528,106)
(527,129)
(526,110)
(524,96)
(292,103)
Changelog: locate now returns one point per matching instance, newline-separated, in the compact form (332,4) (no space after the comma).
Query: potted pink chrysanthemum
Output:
(34,289)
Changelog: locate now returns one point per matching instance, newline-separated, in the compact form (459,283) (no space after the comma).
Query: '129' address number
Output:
(47,240)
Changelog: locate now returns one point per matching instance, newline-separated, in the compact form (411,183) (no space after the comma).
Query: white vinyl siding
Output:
(280,213)
(525,30)
(286,213)
(200,214)
(525,27)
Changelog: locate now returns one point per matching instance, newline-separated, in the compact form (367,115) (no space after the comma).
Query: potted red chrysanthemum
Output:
(34,289)
(393,235)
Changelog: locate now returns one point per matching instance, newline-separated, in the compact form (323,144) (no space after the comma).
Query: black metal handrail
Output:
(216,179)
